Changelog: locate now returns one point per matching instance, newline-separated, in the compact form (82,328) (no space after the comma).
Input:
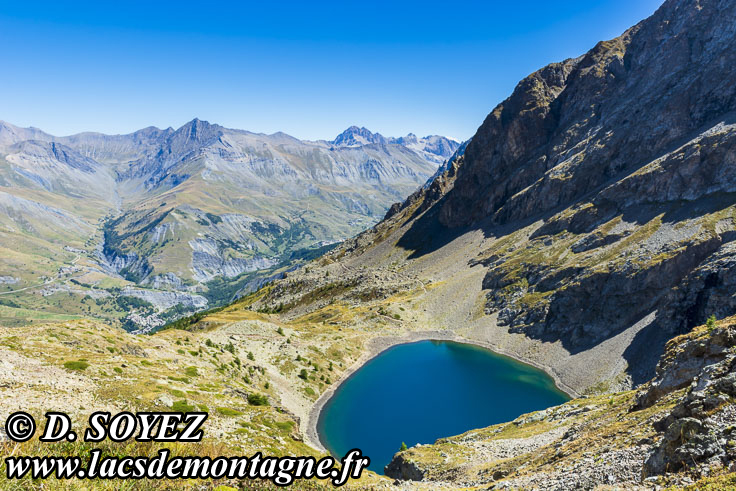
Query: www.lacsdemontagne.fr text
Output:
(282,471)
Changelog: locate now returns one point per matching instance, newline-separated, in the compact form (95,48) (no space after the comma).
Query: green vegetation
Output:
(183,407)
(228,412)
(186,323)
(710,324)
(76,365)
(213,218)
(257,400)
(13,317)
(9,303)
(114,244)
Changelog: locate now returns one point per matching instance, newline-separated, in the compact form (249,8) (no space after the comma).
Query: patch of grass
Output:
(179,379)
(285,425)
(76,365)
(257,400)
(183,407)
(718,483)
(226,411)
(189,323)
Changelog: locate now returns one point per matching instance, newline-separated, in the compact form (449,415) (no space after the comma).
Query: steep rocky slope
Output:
(638,133)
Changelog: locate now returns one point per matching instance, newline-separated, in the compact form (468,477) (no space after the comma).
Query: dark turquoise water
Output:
(419,392)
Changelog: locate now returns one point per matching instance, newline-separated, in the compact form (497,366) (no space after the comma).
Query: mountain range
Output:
(176,210)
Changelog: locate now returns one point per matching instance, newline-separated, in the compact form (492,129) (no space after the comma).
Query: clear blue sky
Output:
(309,69)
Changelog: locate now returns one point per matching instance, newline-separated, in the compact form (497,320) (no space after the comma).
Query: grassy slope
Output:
(209,368)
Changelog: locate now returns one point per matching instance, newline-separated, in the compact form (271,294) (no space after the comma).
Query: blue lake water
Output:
(419,392)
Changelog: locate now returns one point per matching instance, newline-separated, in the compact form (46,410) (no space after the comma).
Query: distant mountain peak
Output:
(435,147)
(355,136)
(198,130)
(198,123)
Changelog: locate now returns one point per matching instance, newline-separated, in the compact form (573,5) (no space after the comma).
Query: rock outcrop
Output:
(403,469)
(698,431)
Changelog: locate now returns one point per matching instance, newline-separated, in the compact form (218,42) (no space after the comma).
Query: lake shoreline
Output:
(378,345)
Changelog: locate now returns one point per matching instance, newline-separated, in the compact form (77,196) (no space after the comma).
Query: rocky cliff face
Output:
(697,431)
(606,185)
(572,128)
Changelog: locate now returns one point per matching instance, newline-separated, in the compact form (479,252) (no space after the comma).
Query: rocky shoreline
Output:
(378,345)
